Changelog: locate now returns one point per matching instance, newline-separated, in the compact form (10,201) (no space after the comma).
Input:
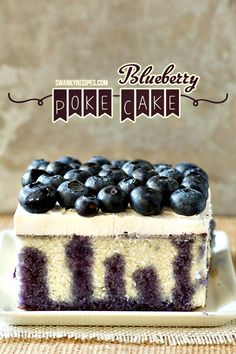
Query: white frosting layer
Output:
(67,222)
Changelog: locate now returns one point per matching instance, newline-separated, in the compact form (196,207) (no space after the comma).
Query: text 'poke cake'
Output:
(113,235)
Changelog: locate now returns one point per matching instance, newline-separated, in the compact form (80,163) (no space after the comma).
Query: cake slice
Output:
(136,251)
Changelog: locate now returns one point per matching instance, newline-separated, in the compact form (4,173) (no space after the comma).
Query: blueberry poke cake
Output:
(113,235)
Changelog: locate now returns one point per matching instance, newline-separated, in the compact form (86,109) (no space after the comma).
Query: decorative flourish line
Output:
(39,100)
(197,100)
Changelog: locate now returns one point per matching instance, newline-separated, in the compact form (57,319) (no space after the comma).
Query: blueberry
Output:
(87,205)
(31,176)
(36,164)
(75,165)
(128,184)
(143,174)
(55,180)
(196,182)
(96,183)
(173,173)
(58,168)
(78,175)
(37,198)
(164,185)
(106,166)
(69,191)
(43,166)
(158,167)
(68,160)
(100,160)
(117,174)
(112,199)
(183,166)
(91,167)
(196,171)
(196,178)
(118,163)
(187,202)
(130,166)
(146,201)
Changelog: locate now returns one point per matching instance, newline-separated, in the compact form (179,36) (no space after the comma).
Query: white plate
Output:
(220,308)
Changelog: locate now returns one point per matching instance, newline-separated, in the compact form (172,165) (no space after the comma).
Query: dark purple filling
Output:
(114,276)
(202,281)
(32,271)
(33,276)
(212,226)
(184,289)
(201,250)
(148,287)
(212,232)
(79,255)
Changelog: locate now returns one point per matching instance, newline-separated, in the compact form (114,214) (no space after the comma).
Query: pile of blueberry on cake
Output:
(113,235)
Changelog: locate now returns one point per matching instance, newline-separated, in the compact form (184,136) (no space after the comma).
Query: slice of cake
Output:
(120,235)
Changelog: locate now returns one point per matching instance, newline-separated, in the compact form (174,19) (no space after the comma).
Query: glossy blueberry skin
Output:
(55,180)
(75,165)
(31,176)
(107,166)
(130,166)
(37,197)
(77,174)
(196,182)
(187,202)
(58,168)
(68,160)
(143,174)
(146,201)
(158,167)
(43,166)
(112,199)
(100,160)
(118,163)
(173,173)
(91,167)
(37,163)
(96,183)
(197,171)
(164,185)
(128,184)
(87,206)
(69,191)
(184,166)
(117,174)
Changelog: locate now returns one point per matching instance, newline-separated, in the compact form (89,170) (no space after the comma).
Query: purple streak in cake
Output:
(114,276)
(14,273)
(148,288)
(203,281)
(184,289)
(212,226)
(201,250)
(33,276)
(79,255)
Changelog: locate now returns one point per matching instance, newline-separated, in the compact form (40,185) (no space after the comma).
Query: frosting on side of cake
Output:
(67,222)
